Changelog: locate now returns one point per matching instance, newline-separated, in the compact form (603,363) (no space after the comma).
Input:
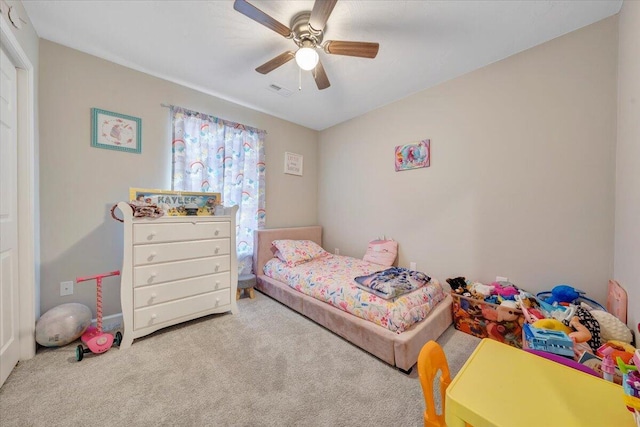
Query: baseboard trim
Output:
(110,323)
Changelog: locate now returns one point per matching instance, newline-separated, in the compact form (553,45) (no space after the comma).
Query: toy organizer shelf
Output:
(176,269)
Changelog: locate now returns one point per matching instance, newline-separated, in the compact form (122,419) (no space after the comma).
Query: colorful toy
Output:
(530,307)
(505,289)
(563,293)
(618,349)
(62,324)
(94,338)
(553,325)
(608,365)
(631,385)
(556,342)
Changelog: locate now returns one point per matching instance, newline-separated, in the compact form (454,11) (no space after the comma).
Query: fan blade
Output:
(361,49)
(322,81)
(259,16)
(279,60)
(320,13)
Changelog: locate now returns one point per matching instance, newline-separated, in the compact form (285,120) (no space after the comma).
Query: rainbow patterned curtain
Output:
(215,155)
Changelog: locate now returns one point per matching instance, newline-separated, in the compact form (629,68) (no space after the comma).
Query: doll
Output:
(587,329)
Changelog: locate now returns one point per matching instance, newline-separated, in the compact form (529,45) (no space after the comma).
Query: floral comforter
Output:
(331,279)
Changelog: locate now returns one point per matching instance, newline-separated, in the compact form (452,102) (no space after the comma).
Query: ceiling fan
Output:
(307,30)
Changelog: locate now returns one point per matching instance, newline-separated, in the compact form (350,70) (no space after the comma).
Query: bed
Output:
(397,349)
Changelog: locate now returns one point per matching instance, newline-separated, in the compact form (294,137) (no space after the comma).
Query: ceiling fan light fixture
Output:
(307,58)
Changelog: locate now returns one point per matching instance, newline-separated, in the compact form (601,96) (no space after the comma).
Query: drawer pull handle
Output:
(152,255)
(217,267)
(216,232)
(217,250)
(153,295)
(152,235)
(154,316)
(217,285)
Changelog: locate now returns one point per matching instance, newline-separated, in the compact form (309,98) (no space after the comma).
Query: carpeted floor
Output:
(266,366)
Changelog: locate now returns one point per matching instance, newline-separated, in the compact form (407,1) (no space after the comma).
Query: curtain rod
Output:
(234,124)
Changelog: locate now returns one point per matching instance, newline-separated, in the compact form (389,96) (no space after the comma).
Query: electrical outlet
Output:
(336,251)
(412,265)
(66,288)
(502,279)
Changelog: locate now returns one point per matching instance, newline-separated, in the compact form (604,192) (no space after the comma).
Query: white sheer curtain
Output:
(214,155)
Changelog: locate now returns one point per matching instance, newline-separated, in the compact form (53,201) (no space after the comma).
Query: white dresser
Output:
(176,269)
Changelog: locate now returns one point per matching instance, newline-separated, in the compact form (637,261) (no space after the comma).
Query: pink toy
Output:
(504,290)
(608,366)
(96,340)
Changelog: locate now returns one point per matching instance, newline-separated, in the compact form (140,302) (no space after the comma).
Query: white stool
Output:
(246,282)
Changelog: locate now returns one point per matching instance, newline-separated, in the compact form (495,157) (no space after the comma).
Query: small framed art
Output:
(412,156)
(116,131)
(293,163)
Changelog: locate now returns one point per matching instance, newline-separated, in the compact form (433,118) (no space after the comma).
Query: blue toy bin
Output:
(594,304)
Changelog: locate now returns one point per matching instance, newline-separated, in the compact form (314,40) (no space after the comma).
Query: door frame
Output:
(27,214)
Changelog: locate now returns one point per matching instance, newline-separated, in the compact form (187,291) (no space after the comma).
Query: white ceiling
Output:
(209,46)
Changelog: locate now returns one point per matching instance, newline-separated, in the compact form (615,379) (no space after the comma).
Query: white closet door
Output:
(9,309)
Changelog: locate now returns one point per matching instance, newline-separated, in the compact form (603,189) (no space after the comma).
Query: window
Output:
(214,155)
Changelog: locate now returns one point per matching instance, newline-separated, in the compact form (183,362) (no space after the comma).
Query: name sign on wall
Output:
(293,163)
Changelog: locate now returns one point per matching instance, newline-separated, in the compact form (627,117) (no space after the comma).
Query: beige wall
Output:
(521,182)
(79,184)
(627,219)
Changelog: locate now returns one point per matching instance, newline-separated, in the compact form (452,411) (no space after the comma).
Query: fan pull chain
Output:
(299,78)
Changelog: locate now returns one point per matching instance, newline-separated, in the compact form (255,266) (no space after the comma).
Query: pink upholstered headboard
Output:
(262,242)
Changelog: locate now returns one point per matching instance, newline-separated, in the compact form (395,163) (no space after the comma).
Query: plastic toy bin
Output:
(485,320)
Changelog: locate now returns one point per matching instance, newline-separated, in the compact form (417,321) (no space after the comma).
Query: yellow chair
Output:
(433,371)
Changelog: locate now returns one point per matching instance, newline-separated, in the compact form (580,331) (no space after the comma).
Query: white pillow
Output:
(611,328)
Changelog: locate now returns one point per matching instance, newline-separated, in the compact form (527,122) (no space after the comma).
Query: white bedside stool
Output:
(246,282)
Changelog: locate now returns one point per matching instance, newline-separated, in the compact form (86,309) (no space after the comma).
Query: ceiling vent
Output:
(280,90)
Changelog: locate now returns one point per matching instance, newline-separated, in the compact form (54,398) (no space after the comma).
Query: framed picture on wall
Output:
(412,156)
(293,164)
(116,131)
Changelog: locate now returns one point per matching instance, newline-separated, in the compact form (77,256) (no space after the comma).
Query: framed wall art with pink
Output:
(412,156)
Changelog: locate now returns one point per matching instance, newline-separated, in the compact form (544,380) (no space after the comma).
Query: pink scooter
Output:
(96,340)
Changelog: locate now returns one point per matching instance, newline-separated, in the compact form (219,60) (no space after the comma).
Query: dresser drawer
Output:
(167,232)
(170,271)
(163,252)
(157,294)
(162,313)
